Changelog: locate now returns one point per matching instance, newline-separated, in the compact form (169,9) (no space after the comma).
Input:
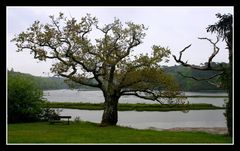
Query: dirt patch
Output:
(212,130)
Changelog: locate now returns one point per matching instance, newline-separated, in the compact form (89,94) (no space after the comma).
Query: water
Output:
(159,120)
(144,119)
(97,97)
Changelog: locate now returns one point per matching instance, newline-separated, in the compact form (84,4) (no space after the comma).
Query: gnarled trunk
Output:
(110,114)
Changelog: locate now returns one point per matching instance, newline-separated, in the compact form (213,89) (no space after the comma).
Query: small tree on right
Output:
(223,29)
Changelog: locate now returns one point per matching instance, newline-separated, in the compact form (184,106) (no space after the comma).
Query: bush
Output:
(50,114)
(77,119)
(24,99)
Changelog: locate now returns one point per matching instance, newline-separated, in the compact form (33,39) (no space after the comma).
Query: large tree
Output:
(223,28)
(107,63)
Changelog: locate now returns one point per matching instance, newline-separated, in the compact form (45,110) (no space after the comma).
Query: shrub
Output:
(50,114)
(77,119)
(24,99)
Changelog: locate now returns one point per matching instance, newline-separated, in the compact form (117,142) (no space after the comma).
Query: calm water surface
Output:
(144,119)
(97,97)
(160,120)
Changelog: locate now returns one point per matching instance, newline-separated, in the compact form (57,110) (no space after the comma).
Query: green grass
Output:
(85,132)
(129,107)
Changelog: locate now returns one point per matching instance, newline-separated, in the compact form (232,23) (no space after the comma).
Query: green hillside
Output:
(186,84)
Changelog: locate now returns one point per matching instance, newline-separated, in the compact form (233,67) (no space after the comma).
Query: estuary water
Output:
(154,119)
(67,95)
(144,119)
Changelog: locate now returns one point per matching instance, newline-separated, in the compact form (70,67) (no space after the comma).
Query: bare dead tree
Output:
(207,66)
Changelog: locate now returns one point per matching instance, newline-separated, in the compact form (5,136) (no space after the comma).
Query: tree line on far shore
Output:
(186,84)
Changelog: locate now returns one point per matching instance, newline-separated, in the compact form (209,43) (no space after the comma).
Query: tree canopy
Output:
(107,62)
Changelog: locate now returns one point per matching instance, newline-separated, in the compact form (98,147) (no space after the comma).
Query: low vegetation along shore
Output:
(86,132)
(130,107)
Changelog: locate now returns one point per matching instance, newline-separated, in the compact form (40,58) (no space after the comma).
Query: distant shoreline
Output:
(190,96)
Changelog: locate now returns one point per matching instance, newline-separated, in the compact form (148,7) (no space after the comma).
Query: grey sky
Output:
(172,27)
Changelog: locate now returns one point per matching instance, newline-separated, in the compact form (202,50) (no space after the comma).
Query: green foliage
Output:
(50,83)
(49,114)
(185,84)
(188,84)
(107,62)
(77,119)
(226,80)
(44,83)
(24,99)
(224,28)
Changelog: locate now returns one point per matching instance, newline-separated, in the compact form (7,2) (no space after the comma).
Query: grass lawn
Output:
(131,107)
(85,132)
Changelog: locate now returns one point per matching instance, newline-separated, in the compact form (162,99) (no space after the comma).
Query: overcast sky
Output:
(172,27)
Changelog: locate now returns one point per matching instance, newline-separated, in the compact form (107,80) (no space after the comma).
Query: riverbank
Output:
(212,130)
(86,132)
(132,107)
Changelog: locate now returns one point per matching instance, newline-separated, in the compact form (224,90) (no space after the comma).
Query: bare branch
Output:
(208,67)
(215,50)
(215,84)
(84,81)
(179,60)
(134,92)
(56,25)
(204,79)
(201,79)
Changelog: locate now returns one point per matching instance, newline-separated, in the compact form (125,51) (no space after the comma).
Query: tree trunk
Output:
(110,114)
(229,88)
(229,112)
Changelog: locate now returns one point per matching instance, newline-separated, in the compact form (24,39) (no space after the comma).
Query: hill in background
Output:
(186,84)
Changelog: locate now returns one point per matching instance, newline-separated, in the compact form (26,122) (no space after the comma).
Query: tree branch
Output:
(208,67)
(201,79)
(215,50)
(204,79)
(134,93)
(180,56)
(79,80)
